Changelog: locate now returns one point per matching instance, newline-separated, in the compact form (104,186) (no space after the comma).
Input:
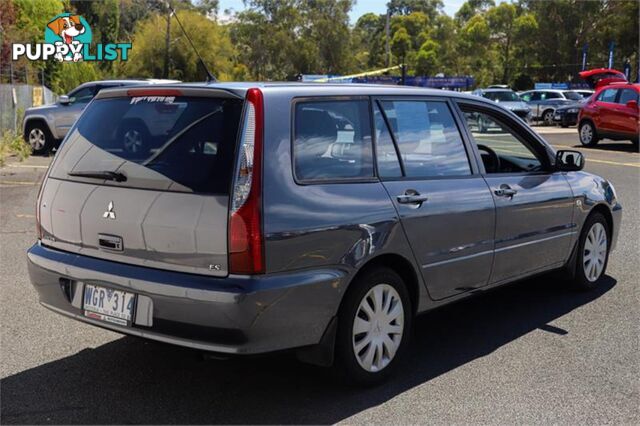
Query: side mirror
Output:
(569,161)
(632,105)
(64,100)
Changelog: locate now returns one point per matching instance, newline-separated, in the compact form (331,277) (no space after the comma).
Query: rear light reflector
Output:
(246,251)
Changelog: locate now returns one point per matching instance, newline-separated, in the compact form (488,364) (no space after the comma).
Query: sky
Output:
(361,7)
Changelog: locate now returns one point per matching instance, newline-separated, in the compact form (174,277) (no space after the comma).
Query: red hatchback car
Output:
(612,112)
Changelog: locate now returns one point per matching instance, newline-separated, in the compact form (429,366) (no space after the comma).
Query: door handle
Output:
(505,191)
(411,198)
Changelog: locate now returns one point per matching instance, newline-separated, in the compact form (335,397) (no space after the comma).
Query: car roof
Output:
(300,89)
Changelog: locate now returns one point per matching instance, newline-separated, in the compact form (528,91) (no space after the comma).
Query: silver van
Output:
(244,218)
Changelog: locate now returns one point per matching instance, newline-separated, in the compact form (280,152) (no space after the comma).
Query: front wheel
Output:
(373,327)
(39,138)
(588,135)
(547,118)
(593,252)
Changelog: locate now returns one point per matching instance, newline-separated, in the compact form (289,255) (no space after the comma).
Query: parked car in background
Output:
(600,77)
(317,218)
(45,126)
(508,99)
(612,112)
(543,103)
(584,92)
(567,115)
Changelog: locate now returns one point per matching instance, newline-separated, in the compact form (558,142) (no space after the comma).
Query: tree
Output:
(431,8)
(427,58)
(211,40)
(401,44)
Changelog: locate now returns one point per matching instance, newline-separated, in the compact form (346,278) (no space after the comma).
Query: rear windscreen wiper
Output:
(104,174)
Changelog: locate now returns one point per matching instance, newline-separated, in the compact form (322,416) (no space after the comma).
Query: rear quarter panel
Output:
(340,225)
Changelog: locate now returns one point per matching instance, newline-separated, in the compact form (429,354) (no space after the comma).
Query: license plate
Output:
(107,304)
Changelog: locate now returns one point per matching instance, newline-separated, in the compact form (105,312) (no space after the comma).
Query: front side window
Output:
(627,95)
(502,151)
(608,95)
(83,95)
(526,96)
(427,138)
(553,95)
(332,140)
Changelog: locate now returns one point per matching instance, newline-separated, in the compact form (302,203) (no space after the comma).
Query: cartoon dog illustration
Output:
(67,28)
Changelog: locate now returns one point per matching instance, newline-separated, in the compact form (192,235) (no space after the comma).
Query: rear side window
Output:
(184,144)
(427,137)
(627,95)
(608,95)
(332,140)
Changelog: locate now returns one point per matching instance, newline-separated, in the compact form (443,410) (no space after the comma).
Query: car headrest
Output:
(316,124)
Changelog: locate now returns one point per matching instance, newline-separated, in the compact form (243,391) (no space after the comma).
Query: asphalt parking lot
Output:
(530,353)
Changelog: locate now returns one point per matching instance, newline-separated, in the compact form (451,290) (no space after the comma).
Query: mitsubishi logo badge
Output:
(109,214)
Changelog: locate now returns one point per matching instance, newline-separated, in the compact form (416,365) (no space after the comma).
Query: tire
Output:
(387,340)
(593,252)
(587,133)
(547,117)
(39,138)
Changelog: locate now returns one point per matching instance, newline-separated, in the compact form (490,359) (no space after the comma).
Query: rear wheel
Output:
(588,135)
(373,327)
(593,252)
(38,137)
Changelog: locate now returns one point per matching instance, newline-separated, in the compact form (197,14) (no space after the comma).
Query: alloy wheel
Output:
(37,139)
(378,327)
(594,254)
(132,141)
(586,134)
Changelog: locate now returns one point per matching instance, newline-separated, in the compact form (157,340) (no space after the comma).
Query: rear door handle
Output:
(411,198)
(505,191)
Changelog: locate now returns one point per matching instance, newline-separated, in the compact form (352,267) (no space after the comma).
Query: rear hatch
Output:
(144,178)
(601,77)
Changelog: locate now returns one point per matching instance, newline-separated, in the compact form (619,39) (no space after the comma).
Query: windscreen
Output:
(502,96)
(175,143)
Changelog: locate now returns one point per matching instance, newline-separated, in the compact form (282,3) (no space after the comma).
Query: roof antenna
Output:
(210,77)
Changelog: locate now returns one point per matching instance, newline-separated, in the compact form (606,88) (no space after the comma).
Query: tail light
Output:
(246,251)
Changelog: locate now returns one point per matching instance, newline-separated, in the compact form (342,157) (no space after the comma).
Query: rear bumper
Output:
(233,315)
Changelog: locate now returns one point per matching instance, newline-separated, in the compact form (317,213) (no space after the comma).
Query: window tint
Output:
(526,96)
(627,95)
(574,96)
(332,140)
(501,150)
(428,138)
(537,96)
(608,95)
(388,163)
(83,95)
(552,95)
(180,143)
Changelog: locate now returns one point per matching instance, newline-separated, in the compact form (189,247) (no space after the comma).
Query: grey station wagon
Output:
(259,217)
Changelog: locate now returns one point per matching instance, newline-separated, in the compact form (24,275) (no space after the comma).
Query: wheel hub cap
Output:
(595,252)
(378,327)
(36,139)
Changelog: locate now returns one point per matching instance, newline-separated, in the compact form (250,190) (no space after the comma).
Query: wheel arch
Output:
(401,266)
(33,120)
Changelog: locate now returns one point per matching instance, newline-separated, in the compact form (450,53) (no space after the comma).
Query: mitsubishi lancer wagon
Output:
(245,218)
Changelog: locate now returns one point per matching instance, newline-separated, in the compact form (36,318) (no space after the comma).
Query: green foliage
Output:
(211,39)
(518,42)
(12,143)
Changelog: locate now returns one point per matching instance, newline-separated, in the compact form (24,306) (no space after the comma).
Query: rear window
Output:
(184,144)
(333,140)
